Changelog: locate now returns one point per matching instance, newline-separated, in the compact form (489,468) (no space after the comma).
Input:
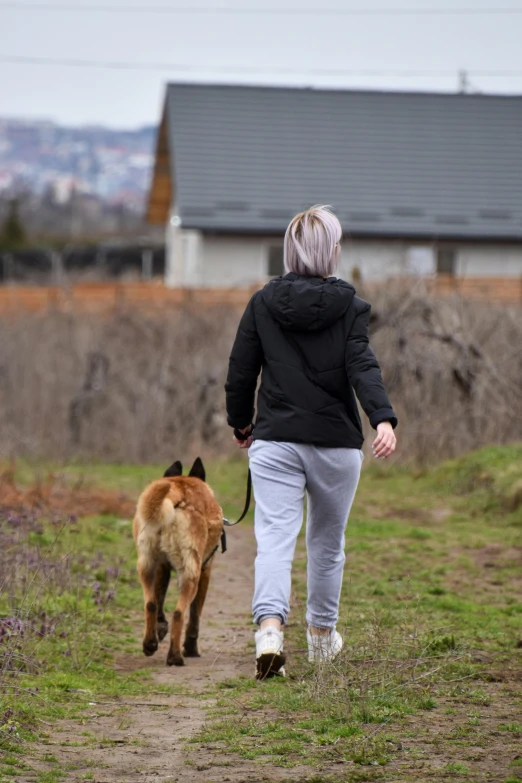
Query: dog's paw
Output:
(150,646)
(190,649)
(191,653)
(175,658)
(163,628)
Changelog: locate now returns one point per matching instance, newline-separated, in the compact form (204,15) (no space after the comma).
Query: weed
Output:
(457,768)
(516,728)
(442,644)
(51,776)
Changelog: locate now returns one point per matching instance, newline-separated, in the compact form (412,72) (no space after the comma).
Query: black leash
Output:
(247,503)
(226,523)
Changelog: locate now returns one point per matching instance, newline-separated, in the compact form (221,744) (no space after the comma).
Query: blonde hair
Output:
(311,245)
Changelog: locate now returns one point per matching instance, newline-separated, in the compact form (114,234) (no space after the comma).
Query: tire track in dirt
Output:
(144,739)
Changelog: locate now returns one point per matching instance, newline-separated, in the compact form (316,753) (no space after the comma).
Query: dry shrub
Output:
(131,386)
(53,495)
(453,369)
(124,386)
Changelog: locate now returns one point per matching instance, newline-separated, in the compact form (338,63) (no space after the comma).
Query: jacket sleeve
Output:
(364,373)
(244,366)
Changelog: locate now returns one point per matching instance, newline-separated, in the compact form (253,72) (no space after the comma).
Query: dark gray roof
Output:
(246,159)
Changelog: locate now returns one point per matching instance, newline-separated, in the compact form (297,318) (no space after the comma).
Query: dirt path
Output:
(226,627)
(145,740)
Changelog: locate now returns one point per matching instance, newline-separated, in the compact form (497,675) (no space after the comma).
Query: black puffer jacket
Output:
(310,338)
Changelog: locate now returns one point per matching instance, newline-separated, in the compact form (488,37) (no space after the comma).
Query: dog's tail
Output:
(151,502)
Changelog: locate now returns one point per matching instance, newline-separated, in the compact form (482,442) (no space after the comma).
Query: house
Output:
(423,183)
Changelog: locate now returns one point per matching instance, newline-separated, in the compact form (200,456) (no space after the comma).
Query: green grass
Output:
(83,576)
(431,591)
(430,612)
(90,605)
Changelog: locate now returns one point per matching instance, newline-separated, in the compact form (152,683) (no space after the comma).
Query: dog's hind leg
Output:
(190,646)
(187,590)
(160,591)
(147,573)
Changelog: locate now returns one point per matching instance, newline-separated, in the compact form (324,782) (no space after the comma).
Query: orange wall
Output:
(98,297)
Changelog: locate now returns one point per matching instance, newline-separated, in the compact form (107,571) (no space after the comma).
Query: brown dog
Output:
(177,526)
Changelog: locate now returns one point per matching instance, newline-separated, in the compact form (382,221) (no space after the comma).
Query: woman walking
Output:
(308,333)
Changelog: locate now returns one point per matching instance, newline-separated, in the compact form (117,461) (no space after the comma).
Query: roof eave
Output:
(425,236)
(161,191)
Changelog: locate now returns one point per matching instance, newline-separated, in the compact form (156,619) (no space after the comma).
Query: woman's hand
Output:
(385,442)
(244,444)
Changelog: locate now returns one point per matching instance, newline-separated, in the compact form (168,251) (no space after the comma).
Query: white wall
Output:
(378,260)
(213,261)
(173,252)
(234,261)
(489,261)
(373,259)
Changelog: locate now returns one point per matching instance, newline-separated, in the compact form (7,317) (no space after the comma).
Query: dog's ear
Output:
(176,469)
(197,470)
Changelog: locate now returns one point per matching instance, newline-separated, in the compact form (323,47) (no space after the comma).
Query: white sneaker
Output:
(323,648)
(269,653)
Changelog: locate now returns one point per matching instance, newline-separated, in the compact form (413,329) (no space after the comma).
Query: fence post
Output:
(101,260)
(56,262)
(146,264)
(7,267)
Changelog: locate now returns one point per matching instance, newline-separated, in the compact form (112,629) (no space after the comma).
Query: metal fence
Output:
(48,266)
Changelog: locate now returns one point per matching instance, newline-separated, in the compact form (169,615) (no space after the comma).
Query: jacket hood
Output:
(307,304)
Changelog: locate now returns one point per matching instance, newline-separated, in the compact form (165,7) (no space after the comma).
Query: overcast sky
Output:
(267,46)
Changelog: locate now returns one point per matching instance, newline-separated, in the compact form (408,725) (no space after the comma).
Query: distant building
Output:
(422,183)
(36,155)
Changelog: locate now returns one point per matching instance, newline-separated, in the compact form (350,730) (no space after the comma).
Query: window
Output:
(446,260)
(275,261)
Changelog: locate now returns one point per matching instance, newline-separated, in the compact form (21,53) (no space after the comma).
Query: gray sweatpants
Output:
(281,473)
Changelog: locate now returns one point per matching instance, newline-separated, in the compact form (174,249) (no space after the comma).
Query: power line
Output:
(240,69)
(275,10)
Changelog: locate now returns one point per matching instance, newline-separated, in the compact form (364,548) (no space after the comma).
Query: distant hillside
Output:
(47,158)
